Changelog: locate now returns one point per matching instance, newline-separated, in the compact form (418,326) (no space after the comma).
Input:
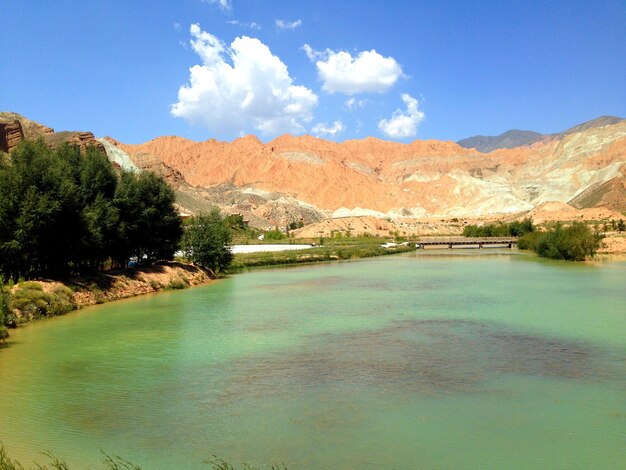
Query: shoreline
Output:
(174,275)
(47,298)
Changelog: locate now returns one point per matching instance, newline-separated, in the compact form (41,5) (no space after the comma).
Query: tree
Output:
(206,241)
(64,213)
(149,228)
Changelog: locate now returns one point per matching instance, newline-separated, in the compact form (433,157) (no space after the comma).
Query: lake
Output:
(432,360)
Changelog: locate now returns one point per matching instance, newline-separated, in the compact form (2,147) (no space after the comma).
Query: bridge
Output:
(465,242)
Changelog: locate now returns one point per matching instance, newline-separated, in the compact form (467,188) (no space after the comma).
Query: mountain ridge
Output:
(515,137)
(308,179)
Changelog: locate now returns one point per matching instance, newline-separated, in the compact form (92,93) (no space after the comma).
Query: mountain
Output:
(303,178)
(507,140)
(516,138)
(388,179)
(597,122)
(15,127)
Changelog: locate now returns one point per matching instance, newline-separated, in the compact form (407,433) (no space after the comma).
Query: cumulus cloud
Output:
(321,128)
(403,124)
(282,24)
(223,4)
(241,86)
(367,72)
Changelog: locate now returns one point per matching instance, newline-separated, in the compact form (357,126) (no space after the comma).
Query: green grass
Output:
(332,250)
(115,463)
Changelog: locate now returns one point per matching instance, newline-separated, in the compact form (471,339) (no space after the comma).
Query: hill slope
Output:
(388,179)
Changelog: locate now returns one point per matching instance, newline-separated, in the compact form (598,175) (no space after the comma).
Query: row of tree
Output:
(500,229)
(63,213)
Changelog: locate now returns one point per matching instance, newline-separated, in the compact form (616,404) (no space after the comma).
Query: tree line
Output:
(500,229)
(63,213)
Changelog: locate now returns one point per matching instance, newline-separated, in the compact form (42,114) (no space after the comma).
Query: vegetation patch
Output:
(30,302)
(500,229)
(352,249)
(66,214)
(575,242)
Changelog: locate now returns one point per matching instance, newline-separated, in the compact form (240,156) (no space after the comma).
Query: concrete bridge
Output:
(465,242)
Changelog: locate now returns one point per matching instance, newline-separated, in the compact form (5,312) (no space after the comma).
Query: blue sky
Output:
(400,70)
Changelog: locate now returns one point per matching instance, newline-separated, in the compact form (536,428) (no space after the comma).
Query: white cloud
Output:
(224,4)
(403,124)
(321,128)
(252,25)
(311,53)
(241,86)
(353,103)
(176,26)
(283,24)
(367,72)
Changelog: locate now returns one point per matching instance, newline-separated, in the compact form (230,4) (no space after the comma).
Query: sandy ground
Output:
(106,287)
(614,243)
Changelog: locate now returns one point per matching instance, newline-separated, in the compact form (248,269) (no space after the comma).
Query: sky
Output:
(340,70)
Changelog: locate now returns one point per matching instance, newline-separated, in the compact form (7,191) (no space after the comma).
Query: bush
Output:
(178,283)
(31,302)
(274,235)
(61,301)
(574,243)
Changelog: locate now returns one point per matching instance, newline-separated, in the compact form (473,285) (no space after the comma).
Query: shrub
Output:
(61,301)
(574,243)
(31,302)
(274,235)
(177,284)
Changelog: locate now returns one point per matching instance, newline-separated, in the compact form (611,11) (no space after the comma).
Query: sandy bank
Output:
(109,286)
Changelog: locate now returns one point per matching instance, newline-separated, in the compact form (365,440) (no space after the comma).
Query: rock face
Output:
(387,179)
(15,127)
(11,134)
(80,139)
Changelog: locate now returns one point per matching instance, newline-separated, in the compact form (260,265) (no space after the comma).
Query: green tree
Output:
(149,228)
(575,243)
(206,241)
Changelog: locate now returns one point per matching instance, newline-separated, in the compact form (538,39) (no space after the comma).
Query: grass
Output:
(114,463)
(332,250)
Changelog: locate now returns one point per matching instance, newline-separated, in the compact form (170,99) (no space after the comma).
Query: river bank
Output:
(43,298)
(331,252)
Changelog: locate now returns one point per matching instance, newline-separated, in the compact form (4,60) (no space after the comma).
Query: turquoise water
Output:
(436,360)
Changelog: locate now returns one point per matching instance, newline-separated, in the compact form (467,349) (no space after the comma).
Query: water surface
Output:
(430,360)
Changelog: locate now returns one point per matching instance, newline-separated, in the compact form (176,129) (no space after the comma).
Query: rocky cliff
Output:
(309,179)
(15,127)
(387,179)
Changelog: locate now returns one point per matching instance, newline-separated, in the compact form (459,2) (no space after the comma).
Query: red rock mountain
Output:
(373,176)
(309,179)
